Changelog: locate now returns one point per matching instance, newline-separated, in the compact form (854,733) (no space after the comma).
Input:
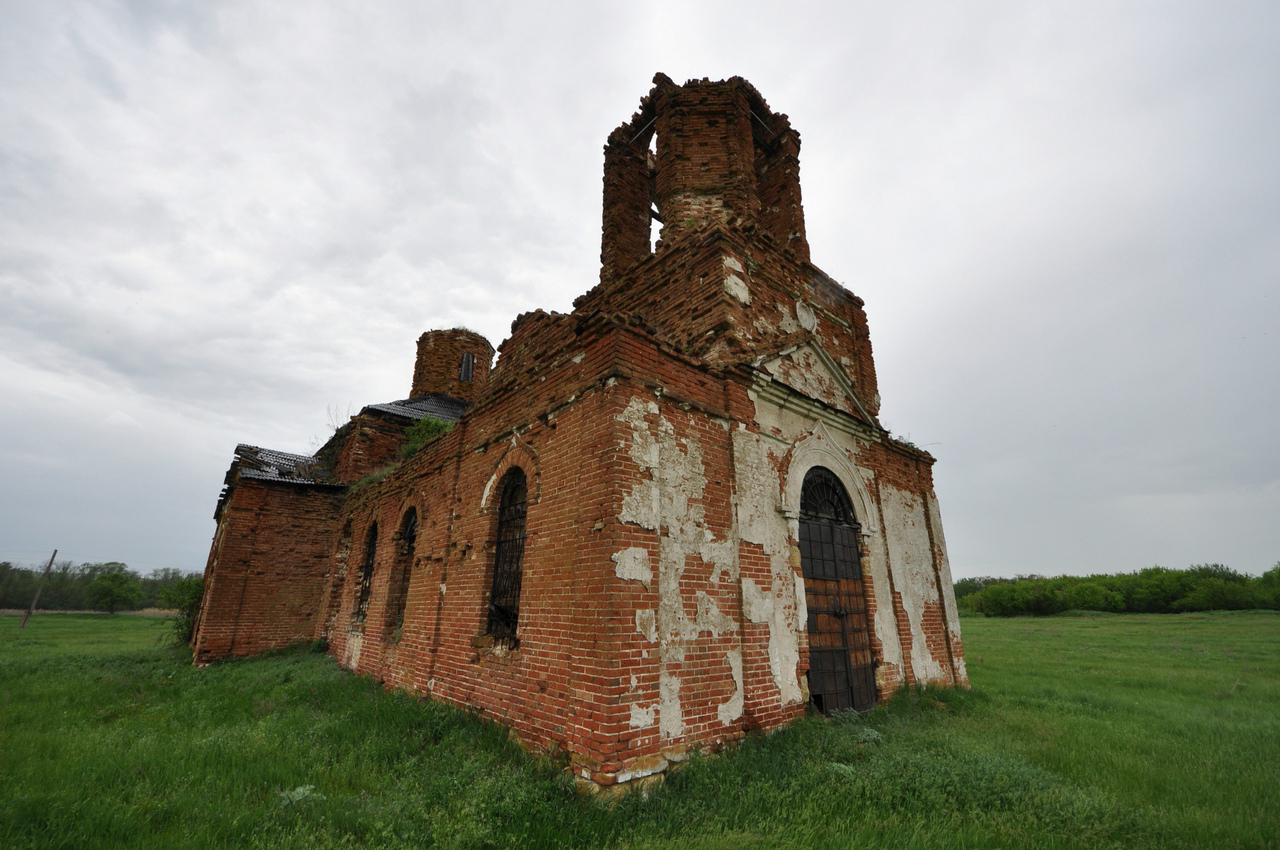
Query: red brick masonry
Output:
(665,427)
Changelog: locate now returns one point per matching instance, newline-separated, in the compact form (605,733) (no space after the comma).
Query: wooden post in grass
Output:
(39,587)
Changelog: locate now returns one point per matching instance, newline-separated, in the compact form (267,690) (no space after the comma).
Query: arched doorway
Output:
(841,666)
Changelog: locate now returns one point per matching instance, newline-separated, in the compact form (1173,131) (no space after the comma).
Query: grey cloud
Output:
(217,219)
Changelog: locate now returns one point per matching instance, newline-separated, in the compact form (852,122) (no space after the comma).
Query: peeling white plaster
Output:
(737,288)
(577,358)
(633,565)
(647,623)
(772,608)
(732,709)
(710,618)
(668,499)
(670,722)
(355,642)
(788,322)
(911,560)
(641,717)
(760,522)
(733,264)
(804,370)
(944,568)
(722,555)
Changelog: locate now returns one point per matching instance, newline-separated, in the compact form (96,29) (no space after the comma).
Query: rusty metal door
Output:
(841,666)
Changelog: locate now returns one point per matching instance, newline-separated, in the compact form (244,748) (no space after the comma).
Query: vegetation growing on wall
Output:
(422,432)
(1154,590)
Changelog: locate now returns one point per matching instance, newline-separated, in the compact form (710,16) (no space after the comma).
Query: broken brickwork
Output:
(682,578)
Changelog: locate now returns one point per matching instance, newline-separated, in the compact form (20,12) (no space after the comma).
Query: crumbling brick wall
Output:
(664,429)
(272,550)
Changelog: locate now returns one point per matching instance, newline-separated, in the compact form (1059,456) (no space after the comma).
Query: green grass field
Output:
(1098,731)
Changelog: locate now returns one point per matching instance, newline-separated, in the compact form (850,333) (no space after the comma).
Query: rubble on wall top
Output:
(262,464)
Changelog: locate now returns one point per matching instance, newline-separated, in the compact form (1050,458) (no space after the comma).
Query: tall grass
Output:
(1083,732)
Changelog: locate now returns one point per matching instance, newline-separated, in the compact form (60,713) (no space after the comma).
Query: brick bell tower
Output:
(702,153)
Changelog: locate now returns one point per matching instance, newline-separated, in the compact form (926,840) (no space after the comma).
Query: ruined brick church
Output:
(659,522)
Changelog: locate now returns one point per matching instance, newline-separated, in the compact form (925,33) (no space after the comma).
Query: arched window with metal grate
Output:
(508,558)
(402,572)
(366,572)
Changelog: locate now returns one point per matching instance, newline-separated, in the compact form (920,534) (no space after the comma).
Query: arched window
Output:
(406,541)
(467,368)
(366,571)
(841,665)
(504,596)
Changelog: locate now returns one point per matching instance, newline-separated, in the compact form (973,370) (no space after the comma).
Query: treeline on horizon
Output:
(108,586)
(1154,590)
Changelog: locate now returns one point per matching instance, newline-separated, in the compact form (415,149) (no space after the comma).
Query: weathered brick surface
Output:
(439,367)
(367,443)
(272,550)
(664,427)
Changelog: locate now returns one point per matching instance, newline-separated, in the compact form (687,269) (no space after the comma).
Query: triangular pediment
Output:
(810,371)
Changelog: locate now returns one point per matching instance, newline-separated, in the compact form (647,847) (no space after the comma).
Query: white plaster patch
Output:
(759,521)
(737,288)
(641,716)
(804,370)
(722,555)
(787,324)
(633,565)
(670,722)
(733,264)
(577,358)
(732,709)
(710,618)
(911,559)
(669,499)
(647,623)
(944,568)
(772,608)
(641,504)
(755,605)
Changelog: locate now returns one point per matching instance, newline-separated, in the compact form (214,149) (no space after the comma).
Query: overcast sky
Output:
(227,222)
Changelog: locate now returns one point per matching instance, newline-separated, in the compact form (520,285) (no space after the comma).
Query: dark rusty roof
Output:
(436,405)
(271,465)
(259,464)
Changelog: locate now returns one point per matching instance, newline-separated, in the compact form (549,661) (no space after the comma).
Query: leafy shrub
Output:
(1154,590)
(1092,596)
(113,591)
(1217,594)
(422,432)
(183,596)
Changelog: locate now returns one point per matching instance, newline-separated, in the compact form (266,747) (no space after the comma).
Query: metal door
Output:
(841,666)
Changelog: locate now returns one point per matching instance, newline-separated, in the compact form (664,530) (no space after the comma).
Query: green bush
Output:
(183,596)
(113,591)
(1154,590)
(422,432)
